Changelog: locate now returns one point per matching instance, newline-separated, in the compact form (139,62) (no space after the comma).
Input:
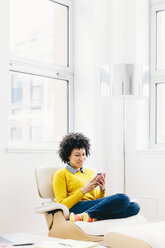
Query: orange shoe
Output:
(87,218)
(75,217)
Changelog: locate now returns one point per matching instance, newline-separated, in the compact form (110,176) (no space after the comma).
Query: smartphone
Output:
(99,176)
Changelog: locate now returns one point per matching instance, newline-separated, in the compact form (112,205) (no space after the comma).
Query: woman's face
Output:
(77,158)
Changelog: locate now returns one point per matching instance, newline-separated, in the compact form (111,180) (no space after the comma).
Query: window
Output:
(41,72)
(160,40)
(157,72)
(160,111)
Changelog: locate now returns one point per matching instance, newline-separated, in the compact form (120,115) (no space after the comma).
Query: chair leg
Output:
(60,228)
(49,220)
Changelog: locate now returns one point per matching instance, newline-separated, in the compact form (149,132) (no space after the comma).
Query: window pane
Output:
(161,40)
(160,110)
(16,94)
(36,92)
(16,133)
(42,113)
(38,30)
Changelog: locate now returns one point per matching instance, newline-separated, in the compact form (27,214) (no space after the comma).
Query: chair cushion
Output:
(153,234)
(44,176)
(101,227)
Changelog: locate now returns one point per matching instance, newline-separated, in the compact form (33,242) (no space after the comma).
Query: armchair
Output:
(56,214)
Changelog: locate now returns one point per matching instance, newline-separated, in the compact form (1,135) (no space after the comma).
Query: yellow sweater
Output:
(67,187)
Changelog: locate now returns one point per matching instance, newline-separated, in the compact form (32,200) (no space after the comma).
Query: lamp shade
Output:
(125,79)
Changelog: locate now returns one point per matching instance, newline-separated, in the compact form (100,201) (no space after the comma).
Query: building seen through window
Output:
(38,112)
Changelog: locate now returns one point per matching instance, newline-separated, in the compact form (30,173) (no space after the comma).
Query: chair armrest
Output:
(45,208)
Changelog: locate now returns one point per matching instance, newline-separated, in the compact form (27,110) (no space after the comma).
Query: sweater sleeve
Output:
(60,190)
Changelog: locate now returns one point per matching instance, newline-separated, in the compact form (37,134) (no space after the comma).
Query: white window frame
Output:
(24,65)
(156,76)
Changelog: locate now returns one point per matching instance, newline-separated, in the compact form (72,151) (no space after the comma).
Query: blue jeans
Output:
(109,207)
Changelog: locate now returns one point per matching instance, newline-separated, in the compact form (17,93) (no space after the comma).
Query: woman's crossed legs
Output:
(109,207)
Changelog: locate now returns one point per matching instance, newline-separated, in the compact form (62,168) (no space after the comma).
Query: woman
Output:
(81,190)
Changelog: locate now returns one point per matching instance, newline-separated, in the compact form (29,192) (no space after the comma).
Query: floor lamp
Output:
(124,80)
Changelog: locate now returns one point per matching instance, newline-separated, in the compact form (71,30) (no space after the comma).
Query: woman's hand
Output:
(90,185)
(101,181)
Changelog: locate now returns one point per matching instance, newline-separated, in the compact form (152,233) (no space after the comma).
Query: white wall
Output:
(90,53)
(128,31)
(145,167)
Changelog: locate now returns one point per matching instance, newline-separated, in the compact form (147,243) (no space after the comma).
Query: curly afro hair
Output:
(70,142)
